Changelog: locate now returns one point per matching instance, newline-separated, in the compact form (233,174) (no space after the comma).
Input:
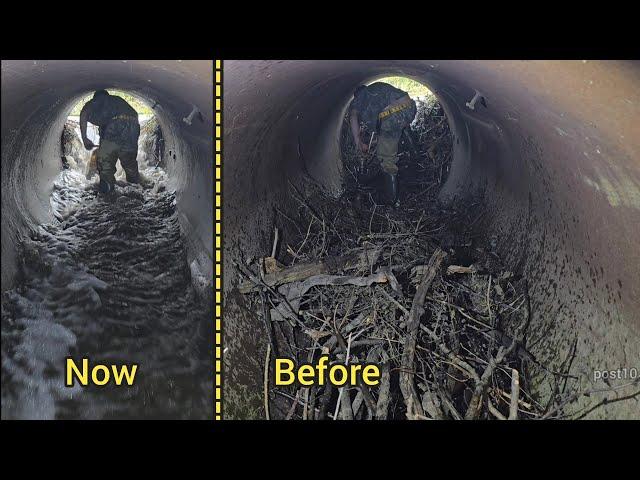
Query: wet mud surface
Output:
(108,280)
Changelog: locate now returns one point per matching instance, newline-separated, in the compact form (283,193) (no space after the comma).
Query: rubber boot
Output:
(105,186)
(389,188)
(133,176)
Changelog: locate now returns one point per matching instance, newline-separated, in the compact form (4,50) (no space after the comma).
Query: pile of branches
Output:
(407,288)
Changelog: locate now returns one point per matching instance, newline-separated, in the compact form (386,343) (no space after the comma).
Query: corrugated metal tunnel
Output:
(555,153)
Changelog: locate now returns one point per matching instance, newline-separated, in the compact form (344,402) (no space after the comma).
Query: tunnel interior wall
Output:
(36,99)
(554,154)
(26,185)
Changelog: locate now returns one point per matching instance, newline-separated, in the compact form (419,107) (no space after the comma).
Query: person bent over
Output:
(387,111)
(119,130)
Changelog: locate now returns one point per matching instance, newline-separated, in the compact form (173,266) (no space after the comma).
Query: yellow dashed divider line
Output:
(218,241)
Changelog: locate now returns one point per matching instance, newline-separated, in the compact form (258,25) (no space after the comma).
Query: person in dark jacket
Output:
(119,130)
(387,111)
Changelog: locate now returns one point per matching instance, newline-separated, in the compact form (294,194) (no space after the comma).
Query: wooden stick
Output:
(275,243)
(515,394)
(266,382)
(473,410)
(496,413)
(412,401)
(292,410)
(346,362)
(368,398)
(382,406)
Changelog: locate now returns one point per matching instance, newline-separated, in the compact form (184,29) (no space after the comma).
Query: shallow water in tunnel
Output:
(108,281)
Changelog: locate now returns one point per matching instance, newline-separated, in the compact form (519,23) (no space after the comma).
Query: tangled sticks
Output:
(413,289)
(434,334)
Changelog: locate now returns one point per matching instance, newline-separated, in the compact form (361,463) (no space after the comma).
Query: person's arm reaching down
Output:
(88,144)
(355,131)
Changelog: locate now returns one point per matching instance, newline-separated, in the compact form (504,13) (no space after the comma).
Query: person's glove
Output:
(88,144)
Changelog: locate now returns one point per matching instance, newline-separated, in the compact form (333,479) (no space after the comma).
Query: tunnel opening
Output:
(492,195)
(107,277)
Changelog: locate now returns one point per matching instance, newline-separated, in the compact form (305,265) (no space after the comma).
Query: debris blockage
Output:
(409,288)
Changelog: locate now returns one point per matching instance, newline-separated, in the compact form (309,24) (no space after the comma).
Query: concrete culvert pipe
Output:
(148,251)
(553,147)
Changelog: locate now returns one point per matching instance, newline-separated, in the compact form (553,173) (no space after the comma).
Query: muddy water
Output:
(109,281)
